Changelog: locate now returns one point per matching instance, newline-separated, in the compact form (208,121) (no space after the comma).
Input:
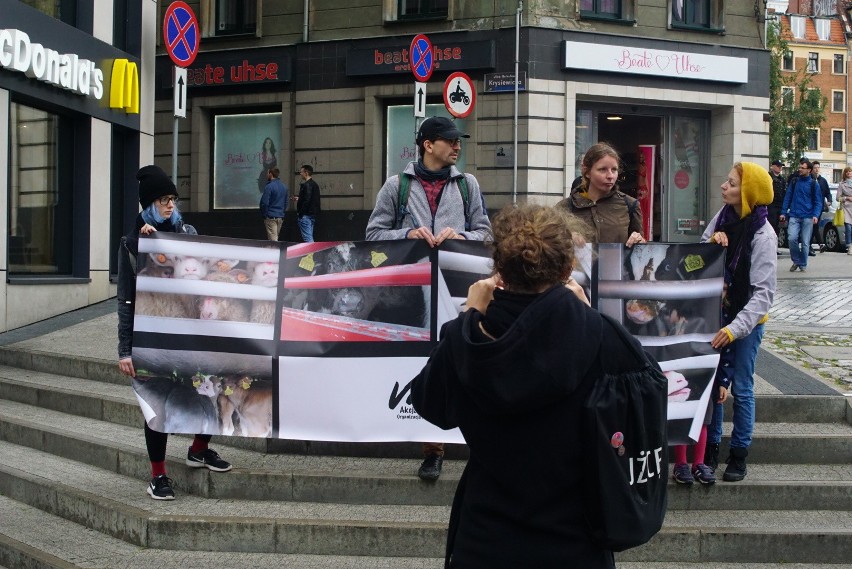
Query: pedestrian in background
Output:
(844,196)
(273,203)
(159,200)
(826,203)
(307,203)
(779,187)
(750,278)
(441,203)
(802,208)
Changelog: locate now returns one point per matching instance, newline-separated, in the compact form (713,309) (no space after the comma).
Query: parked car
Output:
(832,238)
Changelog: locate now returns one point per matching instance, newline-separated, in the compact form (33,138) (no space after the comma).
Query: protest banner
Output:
(320,341)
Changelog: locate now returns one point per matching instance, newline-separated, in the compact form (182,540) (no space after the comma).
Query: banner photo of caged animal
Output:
(203,286)
(234,400)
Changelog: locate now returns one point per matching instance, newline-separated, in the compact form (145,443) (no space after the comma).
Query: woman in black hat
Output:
(159,200)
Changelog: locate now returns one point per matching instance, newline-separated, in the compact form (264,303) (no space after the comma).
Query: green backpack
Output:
(405,184)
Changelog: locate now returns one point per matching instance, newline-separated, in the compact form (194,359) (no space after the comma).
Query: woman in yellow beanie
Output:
(750,275)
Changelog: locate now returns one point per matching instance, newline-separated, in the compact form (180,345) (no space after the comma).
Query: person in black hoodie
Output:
(516,367)
(159,200)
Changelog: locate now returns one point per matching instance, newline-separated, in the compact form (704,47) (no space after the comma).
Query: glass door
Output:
(685,179)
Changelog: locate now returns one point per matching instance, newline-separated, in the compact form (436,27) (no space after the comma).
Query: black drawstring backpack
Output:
(624,422)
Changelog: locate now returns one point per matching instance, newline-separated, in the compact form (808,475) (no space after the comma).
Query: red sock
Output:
(680,454)
(198,445)
(700,447)
(158,468)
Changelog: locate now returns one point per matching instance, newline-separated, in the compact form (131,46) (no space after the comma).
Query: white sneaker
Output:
(849,250)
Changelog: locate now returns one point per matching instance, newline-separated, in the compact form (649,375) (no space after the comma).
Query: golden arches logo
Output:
(124,87)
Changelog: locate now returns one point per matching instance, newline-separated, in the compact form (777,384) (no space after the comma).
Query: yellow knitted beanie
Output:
(755,188)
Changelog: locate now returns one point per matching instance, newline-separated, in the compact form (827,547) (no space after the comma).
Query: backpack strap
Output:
(402,199)
(631,207)
(465,195)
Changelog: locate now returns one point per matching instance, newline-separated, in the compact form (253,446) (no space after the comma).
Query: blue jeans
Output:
(799,230)
(742,388)
(306,227)
(848,228)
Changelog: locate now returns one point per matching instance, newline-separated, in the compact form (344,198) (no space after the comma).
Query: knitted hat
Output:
(756,187)
(153,184)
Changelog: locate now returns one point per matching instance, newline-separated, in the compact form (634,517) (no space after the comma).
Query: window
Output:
(824,7)
(787,61)
(797,26)
(698,14)
(835,176)
(63,10)
(837,140)
(823,28)
(813,139)
(235,17)
(787,97)
(610,9)
(815,96)
(245,146)
(839,64)
(419,9)
(41,190)
(838,101)
(813,62)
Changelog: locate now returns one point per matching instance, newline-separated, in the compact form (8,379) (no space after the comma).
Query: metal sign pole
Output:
(175,152)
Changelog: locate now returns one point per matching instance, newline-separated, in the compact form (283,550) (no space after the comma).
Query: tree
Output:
(795,112)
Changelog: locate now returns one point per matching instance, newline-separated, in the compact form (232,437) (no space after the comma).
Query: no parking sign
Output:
(181,34)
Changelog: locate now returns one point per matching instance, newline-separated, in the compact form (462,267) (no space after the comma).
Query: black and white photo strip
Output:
(668,295)
(357,291)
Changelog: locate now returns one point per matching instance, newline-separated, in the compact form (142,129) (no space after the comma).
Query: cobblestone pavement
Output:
(811,325)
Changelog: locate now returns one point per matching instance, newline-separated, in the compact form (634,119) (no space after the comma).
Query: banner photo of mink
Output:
(366,291)
(213,393)
(669,296)
(207,286)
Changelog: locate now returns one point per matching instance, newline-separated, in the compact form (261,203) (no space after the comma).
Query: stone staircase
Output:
(73,470)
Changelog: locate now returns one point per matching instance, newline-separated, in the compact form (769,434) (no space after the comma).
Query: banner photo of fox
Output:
(669,297)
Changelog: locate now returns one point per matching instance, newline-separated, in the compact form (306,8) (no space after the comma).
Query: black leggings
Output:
(156,443)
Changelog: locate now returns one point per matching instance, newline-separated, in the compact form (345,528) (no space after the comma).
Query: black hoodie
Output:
(517,401)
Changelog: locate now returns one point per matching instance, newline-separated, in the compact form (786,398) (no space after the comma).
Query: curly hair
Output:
(533,246)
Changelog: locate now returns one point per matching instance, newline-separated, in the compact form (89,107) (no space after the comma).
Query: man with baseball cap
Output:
(431,200)
(779,186)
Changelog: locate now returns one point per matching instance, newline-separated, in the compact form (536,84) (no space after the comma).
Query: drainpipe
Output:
(515,120)
(305,22)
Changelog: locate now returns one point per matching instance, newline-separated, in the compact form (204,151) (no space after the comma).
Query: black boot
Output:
(736,469)
(711,456)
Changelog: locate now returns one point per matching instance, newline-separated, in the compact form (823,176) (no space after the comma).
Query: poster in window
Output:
(245,147)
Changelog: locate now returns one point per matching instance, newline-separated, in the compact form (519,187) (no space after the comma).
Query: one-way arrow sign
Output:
(420,99)
(180,92)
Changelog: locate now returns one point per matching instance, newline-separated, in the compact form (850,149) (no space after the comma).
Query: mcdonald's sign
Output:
(124,86)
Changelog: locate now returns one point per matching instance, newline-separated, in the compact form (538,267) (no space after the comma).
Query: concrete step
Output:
(121,449)
(115,505)
(830,440)
(44,541)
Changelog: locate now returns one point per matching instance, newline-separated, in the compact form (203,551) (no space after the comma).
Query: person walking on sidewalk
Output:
(803,206)
(441,203)
(273,203)
(779,187)
(307,203)
(159,200)
(844,196)
(750,279)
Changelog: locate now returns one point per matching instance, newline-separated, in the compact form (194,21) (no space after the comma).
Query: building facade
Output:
(816,34)
(74,125)
(677,86)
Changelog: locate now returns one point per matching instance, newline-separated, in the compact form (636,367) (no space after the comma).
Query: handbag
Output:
(839,218)
(625,439)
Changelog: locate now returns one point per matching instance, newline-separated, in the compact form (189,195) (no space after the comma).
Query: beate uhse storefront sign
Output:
(448,56)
